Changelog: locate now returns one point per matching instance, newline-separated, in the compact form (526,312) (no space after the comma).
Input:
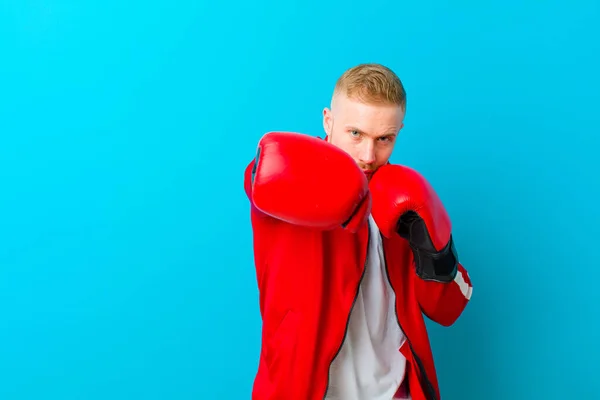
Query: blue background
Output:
(125,246)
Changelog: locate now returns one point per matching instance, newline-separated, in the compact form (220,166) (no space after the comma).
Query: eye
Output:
(354,133)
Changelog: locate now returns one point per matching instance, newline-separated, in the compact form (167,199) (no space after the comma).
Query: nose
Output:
(367,153)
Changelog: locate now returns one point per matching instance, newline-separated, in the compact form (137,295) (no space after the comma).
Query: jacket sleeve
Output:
(444,302)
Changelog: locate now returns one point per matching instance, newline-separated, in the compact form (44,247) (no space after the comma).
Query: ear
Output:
(327,121)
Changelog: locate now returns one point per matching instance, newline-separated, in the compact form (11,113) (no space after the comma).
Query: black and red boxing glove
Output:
(406,204)
(307,181)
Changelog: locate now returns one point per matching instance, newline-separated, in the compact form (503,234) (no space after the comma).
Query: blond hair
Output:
(372,83)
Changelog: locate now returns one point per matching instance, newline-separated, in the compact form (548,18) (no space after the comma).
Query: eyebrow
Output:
(354,128)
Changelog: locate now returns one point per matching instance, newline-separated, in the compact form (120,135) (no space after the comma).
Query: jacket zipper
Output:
(350,313)
(430,388)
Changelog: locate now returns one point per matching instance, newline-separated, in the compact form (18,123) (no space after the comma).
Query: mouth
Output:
(368,172)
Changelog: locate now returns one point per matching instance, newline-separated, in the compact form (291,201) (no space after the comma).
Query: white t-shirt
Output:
(370,365)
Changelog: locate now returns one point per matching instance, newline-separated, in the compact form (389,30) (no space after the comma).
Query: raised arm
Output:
(307,181)
(404,203)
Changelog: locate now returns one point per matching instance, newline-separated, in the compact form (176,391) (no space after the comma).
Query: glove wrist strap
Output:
(441,266)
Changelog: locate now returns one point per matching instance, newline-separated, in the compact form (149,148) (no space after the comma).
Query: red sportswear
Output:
(308,281)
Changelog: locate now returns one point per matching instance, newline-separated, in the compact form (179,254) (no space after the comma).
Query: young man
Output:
(351,252)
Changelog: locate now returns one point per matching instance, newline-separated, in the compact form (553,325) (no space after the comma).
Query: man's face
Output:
(365,131)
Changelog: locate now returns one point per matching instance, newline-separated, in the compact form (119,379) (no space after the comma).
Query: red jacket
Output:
(308,280)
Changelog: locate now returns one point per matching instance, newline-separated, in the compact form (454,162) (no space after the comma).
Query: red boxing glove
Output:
(405,203)
(307,181)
